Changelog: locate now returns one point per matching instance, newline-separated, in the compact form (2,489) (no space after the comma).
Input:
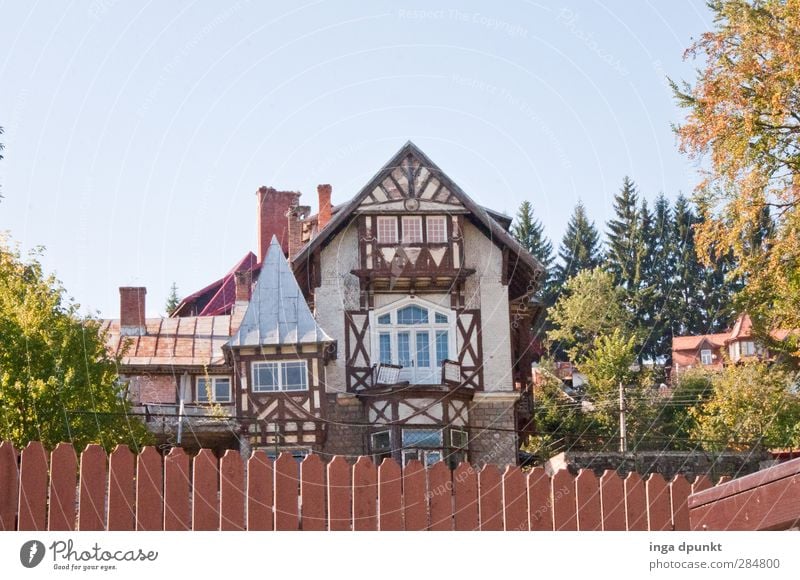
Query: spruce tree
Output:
(685,296)
(658,280)
(625,241)
(172,300)
(580,246)
(529,232)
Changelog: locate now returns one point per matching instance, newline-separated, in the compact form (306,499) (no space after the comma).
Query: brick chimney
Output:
(324,215)
(294,226)
(272,209)
(244,285)
(131,310)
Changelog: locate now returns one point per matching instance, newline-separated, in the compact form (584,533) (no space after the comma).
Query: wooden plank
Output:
(93,483)
(565,516)
(231,491)
(635,502)
(177,505)
(9,492)
(339,489)
(515,500)
(365,495)
(659,511)
(700,483)
(490,498)
(440,497)
(205,484)
(465,491)
(679,490)
(390,501)
(149,490)
(63,473)
(121,490)
(540,503)
(587,492)
(287,482)
(415,507)
(612,500)
(259,492)
(312,492)
(33,488)
(741,484)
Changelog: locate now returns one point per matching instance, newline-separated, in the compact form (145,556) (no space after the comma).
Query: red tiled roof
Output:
(694,342)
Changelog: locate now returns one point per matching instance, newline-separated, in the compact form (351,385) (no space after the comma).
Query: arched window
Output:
(417,335)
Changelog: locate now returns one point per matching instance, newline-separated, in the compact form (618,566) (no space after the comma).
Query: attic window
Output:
(412,229)
(437,229)
(706,357)
(387,230)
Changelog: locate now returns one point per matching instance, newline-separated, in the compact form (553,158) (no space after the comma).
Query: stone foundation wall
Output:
(344,436)
(493,437)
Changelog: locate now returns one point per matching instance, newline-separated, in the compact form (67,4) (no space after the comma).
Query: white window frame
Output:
(378,230)
(749,350)
(706,356)
(412,219)
(213,380)
(280,387)
(461,432)
(436,219)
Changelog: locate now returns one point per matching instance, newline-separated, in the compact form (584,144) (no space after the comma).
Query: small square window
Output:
(458,438)
(387,230)
(381,441)
(213,390)
(294,376)
(412,229)
(437,229)
(265,377)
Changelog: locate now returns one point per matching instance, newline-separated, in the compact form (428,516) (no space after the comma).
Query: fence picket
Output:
(440,493)
(515,500)
(565,516)
(177,507)
(121,509)
(63,473)
(465,490)
(612,500)
(701,483)
(415,509)
(205,483)
(679,490)
(540,502)
(149,490)
(231,491)
(287,483)
(259,492)
(490,498)
(9,491)
(390,501)
(92,500)
(635,503)
(365,495)
(33,488)
(587,492)
(339,489)
(659,513)
(312,492)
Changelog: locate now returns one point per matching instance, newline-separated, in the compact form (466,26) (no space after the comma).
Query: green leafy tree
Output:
(580,247)
(751,404)
(57,381)
(590,306)
(677,412)
(172,300)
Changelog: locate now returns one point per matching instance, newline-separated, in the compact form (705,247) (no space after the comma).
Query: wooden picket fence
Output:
(123,491)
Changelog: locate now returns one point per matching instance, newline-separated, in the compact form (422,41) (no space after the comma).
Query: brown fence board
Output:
(701,483)
(565,516)
(121,490)
(231,491)
(635,503)
(587,493)
(659,511)
(339,490)
(177,508)
(490,498)
(390,496)
(440,493)
(63,473)
(365,495)
(312,492)
(33,488)
(259,492)
(415,508)
(540,502)
(465,492)
(679,490)
(93,483)
(9,491)
(612,499)
(205,485)
(287,484)
(149,490)
(515,500)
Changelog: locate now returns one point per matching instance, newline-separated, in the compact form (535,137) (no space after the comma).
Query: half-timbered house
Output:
(394,324)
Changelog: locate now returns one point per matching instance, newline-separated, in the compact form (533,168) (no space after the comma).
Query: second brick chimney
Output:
(273,206)
(244,285)
(294,227)
(131,311)
(324,215)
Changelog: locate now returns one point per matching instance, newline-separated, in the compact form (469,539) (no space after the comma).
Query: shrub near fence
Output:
(123,491)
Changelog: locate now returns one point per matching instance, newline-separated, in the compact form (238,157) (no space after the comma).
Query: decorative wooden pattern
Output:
(470,356)
(358,372)
(283,495)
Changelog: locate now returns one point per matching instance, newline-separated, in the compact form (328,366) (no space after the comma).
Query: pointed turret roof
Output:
(277,313)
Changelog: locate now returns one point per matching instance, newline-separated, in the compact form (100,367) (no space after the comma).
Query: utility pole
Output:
(623,432)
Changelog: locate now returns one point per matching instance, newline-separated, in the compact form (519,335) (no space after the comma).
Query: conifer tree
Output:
(659,279)
(625,241)
(580,247)
(172,300)
(529,232)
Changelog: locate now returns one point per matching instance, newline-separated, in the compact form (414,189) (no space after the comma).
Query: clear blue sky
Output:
(138,132)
